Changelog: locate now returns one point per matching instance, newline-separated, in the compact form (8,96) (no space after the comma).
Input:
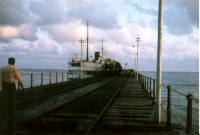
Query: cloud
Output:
(192,8)
(120,36)
(46,46)
(28,32)
(5,40)
(179,50)
(8,32)
(23,31)
(181,16)
(12,12)
(99,15)
(70,32)
(47,12)
(47,33)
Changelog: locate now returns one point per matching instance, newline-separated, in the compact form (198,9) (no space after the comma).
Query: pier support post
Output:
(31,80)
(150,90)
(154,90)
(189,114)
(147,85)
(62,77)
(41,79)
(168,126)
(142,82)
(56,77)
(49,78)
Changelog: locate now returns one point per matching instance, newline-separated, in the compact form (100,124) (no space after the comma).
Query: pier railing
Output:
(149,86)
(40,79)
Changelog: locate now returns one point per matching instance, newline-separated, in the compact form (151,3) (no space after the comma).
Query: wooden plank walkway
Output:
(130,112)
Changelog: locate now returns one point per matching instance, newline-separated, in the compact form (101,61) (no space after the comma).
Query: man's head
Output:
(11,61)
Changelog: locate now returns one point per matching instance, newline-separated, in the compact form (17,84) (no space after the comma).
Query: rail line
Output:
(39,94)
(79,116)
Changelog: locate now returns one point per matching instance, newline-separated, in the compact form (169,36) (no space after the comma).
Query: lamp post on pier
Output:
(138,40)
(81,42)
(135,61)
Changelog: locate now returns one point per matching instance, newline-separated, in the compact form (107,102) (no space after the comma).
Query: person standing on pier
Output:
(9,76)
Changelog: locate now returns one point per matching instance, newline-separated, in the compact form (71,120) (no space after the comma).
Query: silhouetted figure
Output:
(8,104)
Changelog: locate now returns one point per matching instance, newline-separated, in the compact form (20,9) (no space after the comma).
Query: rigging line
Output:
(22,11)
(11,16)
(19,10)
(139,18)
(33,18)
(149,9)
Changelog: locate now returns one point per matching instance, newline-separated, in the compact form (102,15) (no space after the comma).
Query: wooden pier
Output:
(128,114)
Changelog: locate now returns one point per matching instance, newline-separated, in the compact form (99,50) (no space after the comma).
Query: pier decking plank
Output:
(130,113)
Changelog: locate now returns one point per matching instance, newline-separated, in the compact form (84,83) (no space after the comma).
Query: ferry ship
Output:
(79,68)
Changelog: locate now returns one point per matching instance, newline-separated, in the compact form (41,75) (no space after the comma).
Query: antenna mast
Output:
(138,39)
(87,41)
(102,49)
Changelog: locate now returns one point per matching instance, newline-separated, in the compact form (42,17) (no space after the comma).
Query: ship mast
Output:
(102,50)
(87,41)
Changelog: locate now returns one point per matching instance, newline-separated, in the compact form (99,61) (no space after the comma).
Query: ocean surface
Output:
(42,76)
(185,82)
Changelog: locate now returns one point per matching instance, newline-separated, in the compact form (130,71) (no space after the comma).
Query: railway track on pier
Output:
(34,102)
(78,116)
(37,94)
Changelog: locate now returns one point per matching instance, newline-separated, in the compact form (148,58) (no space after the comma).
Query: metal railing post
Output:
(31,80)
(144,83)
(138,77)
(147,85)
(56,77)
(150,90)
(168,126)
(49,78)
(141,80)
(41,79)
(189,114)
(67,75)
(62,77)
(154,89)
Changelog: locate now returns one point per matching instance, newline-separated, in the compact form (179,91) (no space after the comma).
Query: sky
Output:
(45,34)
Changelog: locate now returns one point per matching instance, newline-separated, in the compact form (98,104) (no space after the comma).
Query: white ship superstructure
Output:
(79,69)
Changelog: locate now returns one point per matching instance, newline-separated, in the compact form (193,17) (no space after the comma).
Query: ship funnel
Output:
(97,55)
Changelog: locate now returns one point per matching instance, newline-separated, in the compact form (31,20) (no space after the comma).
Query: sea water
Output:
(42,77)
(184,82)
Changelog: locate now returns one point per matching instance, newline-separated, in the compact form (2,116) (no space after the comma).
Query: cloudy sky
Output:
(45,34)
